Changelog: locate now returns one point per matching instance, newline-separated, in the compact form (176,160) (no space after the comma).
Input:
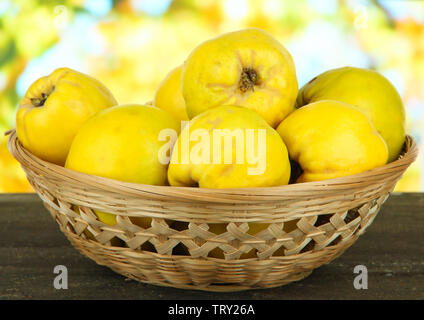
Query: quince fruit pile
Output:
(230,116)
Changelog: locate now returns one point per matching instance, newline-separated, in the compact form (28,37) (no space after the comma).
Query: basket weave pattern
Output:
(330,216)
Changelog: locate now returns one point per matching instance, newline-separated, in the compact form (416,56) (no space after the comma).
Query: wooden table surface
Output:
(31,245)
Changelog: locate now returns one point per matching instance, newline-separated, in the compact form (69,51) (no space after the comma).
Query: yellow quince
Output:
(53,110)
(123,143)
(248,68)
(169,96)
(229,147)
(369,91)
(331,139)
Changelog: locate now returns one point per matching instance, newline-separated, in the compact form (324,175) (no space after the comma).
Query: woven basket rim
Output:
(27,159)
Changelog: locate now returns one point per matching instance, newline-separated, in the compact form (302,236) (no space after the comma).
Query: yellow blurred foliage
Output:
(13,178)
(139,49)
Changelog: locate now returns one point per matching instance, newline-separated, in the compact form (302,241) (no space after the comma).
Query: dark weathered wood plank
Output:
(31,245)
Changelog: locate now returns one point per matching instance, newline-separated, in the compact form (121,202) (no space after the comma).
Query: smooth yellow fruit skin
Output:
(369,91)
(169,96)
(122,143)
(212,74)
(331,139)
(231,175)
(73,97)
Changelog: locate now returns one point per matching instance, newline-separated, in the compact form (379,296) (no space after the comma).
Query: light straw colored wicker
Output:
(332,214)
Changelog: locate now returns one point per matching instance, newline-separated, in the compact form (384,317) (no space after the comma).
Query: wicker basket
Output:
(331,215)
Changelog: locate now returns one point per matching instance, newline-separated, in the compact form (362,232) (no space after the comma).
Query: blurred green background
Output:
(130,45)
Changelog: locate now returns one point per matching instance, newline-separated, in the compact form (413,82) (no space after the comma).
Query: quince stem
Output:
(249,78)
